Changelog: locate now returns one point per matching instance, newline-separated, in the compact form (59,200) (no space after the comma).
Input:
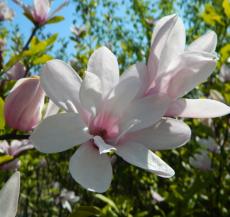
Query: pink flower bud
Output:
(23,105)
(16,72)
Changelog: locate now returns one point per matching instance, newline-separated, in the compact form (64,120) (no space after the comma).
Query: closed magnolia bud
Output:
(16,72)
(23,105)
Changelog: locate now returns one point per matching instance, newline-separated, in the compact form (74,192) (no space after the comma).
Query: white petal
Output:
(59,132)
(51,109)
(166,134)
(91,92)
(197,108)
(140,72)
(61,83)
(147,111)
(206,42)
(103,63)
(9,196)
(121,96)
(168,42)
(140,156)
(102,146)
(90,169)
(189,70)
(42,8)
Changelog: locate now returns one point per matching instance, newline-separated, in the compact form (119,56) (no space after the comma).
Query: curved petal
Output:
(91,92)
(103,63)
(90,169)
(166,134)
(9,196)
(168,42)
(206,42)
(59,132)
(42,8)
(61,83)
(140,72)
(121,96)
(197,108)
(147,110)
(140,156)
(189,70)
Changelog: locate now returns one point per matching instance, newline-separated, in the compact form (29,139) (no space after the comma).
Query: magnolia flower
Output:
(66,198)
(15,149)
(225,73)
(39,12)
(175,70)
(16,72)
(201,161)
(102,116)
(9,196)
(157,198)
(23,105)
(5,12)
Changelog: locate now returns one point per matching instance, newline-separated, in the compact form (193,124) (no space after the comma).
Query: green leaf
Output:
(226,6)
(5,159)
(42,59)
(85,211)
(108,201)
(210,15)
(2,119)
(55,19)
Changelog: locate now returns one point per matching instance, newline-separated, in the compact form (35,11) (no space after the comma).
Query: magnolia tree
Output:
(99,110)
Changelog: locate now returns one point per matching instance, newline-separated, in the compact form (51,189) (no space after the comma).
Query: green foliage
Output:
(55,19)
(2,119)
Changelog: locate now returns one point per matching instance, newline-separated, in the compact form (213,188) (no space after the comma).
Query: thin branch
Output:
(13,136)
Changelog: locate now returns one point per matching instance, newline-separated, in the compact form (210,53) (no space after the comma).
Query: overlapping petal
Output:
(197,108)
(91,169)
(59,132)
(206,42)
(103,63)
(138,155)
(61,83)
(147,110)
(168,133)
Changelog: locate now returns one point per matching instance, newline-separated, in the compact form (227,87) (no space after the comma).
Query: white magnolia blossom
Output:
(104,116)
(175,69)
(201,161)
(9,195)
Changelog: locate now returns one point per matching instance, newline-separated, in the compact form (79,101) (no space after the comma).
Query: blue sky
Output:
(63,28)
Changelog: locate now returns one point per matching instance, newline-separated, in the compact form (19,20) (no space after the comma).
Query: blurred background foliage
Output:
(126,28)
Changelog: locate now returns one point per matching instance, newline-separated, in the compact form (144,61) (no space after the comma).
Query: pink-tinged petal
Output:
(166,134)
(168,42)
(22,108)
(90,169)
(9,195)
(121,96)
(61,83)
(197,108)
(103,63)
(91,92)
(138,71)
(59,132)
(147,111)
(186,72)
(140,156)
(41,10)
(206,42)
(16,72)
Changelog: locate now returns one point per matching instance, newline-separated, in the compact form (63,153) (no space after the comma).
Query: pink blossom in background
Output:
(15,149)
(40,11)
(16,72)
(23,105)
(5,12)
